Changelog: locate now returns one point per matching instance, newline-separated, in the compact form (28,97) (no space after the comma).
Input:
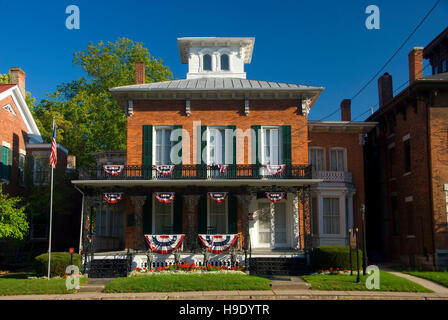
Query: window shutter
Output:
(231,147)
(178,166)
(232,214)
(177,214)
(202,214)
(147,215)
(256,153)
(147,151)
(203,143)
(286,145)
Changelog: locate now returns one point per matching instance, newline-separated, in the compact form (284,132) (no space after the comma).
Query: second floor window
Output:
(225,62)
(207,62)
(163,146)
(271,146)
(317,159)
(337,160)
(217,146)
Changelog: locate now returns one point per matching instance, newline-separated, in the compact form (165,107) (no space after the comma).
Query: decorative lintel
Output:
(246,106)
(188,107)
(130,107)
(306,105)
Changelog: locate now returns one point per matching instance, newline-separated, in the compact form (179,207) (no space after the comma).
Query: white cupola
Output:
(216,57)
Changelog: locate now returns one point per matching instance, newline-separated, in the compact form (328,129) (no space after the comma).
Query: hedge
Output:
(59,262)
(326,257)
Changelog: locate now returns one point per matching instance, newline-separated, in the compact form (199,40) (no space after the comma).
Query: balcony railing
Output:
(201,172)
(333,176)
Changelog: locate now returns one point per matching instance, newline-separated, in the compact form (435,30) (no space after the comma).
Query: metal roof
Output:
(204,84)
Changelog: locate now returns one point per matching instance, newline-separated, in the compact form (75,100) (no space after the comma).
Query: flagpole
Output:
(51,223)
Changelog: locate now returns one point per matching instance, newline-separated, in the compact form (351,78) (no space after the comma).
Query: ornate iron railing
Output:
(202,172)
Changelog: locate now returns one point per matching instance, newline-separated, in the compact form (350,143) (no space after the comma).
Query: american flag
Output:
(53,154)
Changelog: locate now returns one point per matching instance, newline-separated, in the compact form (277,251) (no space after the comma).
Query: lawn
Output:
(187,282)
(388,282)
(18,284)
(440,277)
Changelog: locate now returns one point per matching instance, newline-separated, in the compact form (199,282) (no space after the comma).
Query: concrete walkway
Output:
(437,288)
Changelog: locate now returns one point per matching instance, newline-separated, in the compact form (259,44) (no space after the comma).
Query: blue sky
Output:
(322,43)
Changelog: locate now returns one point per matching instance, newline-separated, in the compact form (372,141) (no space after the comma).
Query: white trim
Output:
(6,144)
(406,137)
(46,146)
(22,152)
(391,145)
(409,199)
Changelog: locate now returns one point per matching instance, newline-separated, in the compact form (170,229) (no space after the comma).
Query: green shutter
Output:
(6,163)
(147,215)
(147,151)
(203,167)
(202,214)
(178,166)
(177,215)
(232,214)
(231,145)
(286,146)
(256,144)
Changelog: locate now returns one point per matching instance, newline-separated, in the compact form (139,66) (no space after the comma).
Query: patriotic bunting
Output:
(222,168)
(164,244)
(218,243)
(165,197)
(275,196)
(218,196)
(275,169)
(113,170)
(164,169)
(113,197)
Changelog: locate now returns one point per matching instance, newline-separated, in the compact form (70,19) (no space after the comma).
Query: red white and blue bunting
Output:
(275,169)
(222,167)
(218,243)
(165,197)
(164,169)
(218,196)
(275,196)
(164,244)
(113,169)
(113,197)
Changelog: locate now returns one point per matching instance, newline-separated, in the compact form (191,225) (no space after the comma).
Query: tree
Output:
(88,118)
(13,221)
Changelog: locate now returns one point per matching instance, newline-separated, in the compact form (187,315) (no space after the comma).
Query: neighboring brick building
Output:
(407,165)
(218,132)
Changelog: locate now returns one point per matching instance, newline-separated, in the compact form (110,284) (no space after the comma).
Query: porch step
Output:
(109,268)
(278,266)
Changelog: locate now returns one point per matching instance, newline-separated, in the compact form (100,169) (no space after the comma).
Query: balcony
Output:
(333,176)
(198,172)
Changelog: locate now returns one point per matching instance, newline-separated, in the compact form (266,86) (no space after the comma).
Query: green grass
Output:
(440,277)
(187,282)
(388,282)
(18,284)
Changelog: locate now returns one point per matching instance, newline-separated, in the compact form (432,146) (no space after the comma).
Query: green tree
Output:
(13,221)
(88,118)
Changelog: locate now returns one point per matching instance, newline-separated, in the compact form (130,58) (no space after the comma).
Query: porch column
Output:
(138,202)
(244,201)
(295,224)
(191,236)
(89,202)
(305,198)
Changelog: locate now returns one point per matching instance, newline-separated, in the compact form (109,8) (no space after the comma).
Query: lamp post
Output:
(364,251)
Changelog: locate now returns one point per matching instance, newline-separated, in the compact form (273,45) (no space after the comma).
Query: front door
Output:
(271,227)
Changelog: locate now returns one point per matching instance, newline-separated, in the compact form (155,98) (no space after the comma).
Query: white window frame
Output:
(226,218)
(154,140)
(340,213)
(171,204)
(280,143)
(344,153)
(324,164)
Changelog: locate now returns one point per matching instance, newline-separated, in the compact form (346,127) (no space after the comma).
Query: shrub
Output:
(327,257)
(59,262)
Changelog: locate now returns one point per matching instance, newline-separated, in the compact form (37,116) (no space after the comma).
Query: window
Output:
(407,156)
(317,159)
(271,146)
(207,62)
(217,146)
(5,164)
(225,62)
(21,169)
(41,168)
(163,217)
(264,223)
(331,216)
(217,217)
(337,160)
(280,222)
(162,146)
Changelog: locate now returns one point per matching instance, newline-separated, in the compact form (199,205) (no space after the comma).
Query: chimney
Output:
(385,92)
(415,64)
(18,77)
(346,110)
(139,73)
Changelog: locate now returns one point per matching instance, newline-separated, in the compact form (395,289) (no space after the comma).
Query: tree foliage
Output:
(88,118)
(13,221)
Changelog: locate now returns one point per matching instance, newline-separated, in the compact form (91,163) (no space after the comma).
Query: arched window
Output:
(225,62)
(207,60)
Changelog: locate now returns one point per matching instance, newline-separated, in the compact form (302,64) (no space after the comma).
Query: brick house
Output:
(236,159)
(407,165)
